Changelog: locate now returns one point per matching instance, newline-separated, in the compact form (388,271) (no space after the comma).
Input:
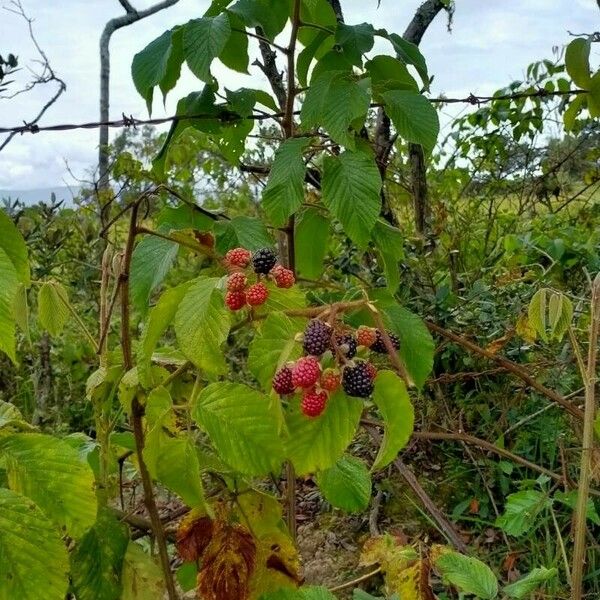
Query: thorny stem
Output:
(589,379)
(288,127)
(137,411)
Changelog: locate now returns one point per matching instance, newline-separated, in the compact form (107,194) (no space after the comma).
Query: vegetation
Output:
(273,322)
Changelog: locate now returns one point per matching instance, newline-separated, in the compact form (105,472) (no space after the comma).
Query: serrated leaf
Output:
(531,582)
(159,318)
(316,444)
(390,242)
(53,311)
(12,242)
(560,314)
(247,232)
(577,61)
(159,63)
(521,510)
(468,574)
(410,54)
(235,53)
(308,54)
(284,191)
(311,241)
(9,286)
(392,400)
(270,15)
(347,484)
(413,116)
(336,101)
(355,40)
(351,191)
(202,324)
(416,344)
(32,555)
(243,424)
(281,299)
(142,577)
(273,346)
(10,416)
(152,259)
(203,40)
(97,559)
(51,473)
(388,73)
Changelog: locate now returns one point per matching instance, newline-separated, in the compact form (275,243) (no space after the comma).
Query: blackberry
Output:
(263,260)
(379,345)
(346,345)
(357,380)
(317,337)
(282,381)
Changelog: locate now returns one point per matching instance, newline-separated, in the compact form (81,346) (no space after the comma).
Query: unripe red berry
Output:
(330,380)
(236,282)
(284,278)
(257,294)
(366,336)
(235,300)
(306,371)
(371,370)
(313,402)
(238,257)
(282,381)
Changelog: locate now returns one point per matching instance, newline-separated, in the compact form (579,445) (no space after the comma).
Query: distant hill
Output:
(41,195)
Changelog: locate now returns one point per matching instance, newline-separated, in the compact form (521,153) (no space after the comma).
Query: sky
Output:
(490,44)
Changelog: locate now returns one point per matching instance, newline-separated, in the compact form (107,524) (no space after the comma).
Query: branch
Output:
(127,6)
(510,366)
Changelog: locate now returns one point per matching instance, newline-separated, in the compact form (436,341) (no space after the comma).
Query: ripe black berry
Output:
(357,380)
(317,337)
(379,345)
(263,260)
(346,345)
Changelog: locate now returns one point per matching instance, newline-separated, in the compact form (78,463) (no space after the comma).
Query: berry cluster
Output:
(264,263)
(334,347)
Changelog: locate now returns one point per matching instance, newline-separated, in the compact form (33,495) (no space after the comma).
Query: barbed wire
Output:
(130,121)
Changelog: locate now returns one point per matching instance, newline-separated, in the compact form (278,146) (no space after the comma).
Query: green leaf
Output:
(311,242)
(97,559)
(10,416)
(308,54)
(390,242)
(273,346)
(570,499)
(351,191)
(413,116)
(316,444)
(468,574)
(550,314)
(346,485)
(283,299)
(521,510)
(392,400)
(530,583)
(355,40)
(53,311)
(9,287)
(593,98)
(577,61)
(52,474)
(12,242)
(243,425)
(410,54)
(284,191)
(270,15)
(336,101)
(416,344)
(202,325)
(142,577)
(306,592)
(574,108)
(203,40)
(159,63)
(247,232)
(32,555)
(152,259)
(235,53)
(388,73)
(159,319)
(174,463)
(22,309)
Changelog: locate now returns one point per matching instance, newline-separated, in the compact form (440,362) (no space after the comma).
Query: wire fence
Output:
(130,121)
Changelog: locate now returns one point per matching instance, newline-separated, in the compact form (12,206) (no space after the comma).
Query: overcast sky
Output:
(490,45)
